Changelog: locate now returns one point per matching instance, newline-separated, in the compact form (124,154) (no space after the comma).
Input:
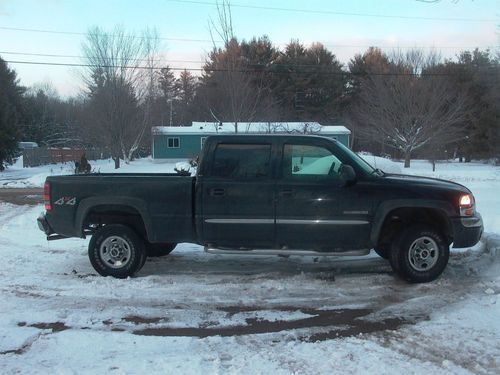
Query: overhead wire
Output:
(337,13)
(321,72)
(188,40)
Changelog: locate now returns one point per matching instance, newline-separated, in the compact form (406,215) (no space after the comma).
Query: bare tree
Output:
(409,109)
(231,90)
(120,87)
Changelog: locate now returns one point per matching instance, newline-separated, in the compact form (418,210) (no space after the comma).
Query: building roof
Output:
(252,127)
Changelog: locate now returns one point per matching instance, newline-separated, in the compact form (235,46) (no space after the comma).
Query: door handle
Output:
(217,192)
(286,193)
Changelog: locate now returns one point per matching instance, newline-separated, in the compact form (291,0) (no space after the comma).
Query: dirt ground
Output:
(30,196)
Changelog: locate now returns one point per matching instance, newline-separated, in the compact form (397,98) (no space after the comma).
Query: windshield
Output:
(360,162)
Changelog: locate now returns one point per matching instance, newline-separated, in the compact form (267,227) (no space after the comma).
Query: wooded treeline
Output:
(402,103)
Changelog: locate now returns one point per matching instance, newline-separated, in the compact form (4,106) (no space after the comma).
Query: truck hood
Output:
(426,181)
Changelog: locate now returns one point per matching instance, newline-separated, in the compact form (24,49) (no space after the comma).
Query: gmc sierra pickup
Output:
(265,194)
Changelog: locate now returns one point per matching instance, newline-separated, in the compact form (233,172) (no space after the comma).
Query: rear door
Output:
(238,196)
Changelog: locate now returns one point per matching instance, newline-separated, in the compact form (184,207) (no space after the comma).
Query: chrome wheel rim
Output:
(423,254)
(115,251)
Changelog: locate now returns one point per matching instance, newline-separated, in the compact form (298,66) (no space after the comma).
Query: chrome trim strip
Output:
(239,221)
(322,222)
(473,221)
(286,221)
(213,250)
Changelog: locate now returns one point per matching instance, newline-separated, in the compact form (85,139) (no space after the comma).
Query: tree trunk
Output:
(407,159)
(117,162)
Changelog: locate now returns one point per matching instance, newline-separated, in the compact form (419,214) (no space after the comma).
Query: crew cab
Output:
(265,194)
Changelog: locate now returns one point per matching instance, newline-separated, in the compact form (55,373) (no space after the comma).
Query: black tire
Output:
(159,249)
(143,259)
(382,251)
(114,244)
(419,254)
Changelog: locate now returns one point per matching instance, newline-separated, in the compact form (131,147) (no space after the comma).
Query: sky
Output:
(344,27)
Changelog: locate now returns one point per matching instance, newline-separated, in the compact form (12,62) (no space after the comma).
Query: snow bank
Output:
(386,165)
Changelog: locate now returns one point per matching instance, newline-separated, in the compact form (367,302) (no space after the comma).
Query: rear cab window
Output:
(242,161)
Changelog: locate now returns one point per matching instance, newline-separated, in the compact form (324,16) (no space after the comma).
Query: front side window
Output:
(173,142)
(306,162)
(246,161)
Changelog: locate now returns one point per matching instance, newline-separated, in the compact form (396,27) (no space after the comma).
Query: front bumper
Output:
(467,230)
(43,224)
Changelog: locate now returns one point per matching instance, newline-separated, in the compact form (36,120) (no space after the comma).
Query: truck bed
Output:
(161,199)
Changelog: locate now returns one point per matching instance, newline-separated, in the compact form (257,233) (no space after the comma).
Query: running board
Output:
(214,250)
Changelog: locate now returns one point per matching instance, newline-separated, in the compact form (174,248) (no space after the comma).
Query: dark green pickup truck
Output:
(265,194)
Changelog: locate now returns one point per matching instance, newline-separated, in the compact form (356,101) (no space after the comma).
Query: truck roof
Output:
(231,137)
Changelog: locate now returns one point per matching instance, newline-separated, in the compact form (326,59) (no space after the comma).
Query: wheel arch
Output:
(409,212)
(116,210)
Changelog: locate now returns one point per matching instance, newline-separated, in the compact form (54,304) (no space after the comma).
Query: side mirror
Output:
(347,174)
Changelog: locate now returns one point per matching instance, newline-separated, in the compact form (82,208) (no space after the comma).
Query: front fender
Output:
(386,207)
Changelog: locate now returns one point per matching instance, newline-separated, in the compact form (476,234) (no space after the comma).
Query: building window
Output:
(203,139)
(173,142)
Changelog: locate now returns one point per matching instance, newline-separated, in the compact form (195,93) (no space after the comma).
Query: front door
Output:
(312,199)
(238,197)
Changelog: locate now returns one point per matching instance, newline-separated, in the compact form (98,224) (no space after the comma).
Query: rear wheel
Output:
(419,254)
(159,249)
(116,250)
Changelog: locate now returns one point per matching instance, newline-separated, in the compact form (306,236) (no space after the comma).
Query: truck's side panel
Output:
(237,195)
(164,202)
(315,209)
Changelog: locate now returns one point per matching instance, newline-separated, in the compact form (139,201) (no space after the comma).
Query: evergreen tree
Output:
(477,72)
(308,83)
(186,90)
(10,112)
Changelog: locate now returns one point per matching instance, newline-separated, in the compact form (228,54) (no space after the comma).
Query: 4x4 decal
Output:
(69,201)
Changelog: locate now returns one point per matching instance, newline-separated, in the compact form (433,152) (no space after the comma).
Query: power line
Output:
(133,36)
(83,57)
(188,40)
(163,61)
(330,12)
(235,70)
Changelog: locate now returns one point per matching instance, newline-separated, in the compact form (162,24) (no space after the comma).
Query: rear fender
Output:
(87,204)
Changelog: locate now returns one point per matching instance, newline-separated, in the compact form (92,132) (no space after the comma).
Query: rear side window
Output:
(242,161)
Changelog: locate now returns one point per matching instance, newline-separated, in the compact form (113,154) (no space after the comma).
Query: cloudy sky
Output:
(345,27)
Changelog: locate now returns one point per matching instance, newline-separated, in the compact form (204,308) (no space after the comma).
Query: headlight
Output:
(466,205)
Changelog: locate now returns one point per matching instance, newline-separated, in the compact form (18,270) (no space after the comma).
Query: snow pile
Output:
(386,165)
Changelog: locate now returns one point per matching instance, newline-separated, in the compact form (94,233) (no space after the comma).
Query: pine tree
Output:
(10,112)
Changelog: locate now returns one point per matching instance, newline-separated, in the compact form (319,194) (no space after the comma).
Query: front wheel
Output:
(419,254)
(116,250)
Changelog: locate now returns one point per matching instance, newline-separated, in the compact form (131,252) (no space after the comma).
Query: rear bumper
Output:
(43,225)
(467,231)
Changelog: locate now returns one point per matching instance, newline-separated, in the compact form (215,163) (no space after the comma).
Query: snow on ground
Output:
(15,176)
(384,164)
(194,313)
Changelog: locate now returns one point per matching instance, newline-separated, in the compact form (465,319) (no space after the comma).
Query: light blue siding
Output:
(190,145)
